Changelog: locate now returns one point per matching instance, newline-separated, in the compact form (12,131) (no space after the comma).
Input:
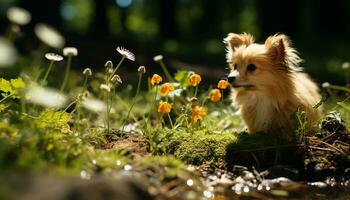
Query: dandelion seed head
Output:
(87,71)
(158,58)
(109,64)
(49,36)
(53,57)
(8,55)
(126,53)
(70,51)
(116,79)
(141,69)
(105,88)
(18,15)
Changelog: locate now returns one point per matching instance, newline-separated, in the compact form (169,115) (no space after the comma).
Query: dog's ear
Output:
(277,46)
(234,40)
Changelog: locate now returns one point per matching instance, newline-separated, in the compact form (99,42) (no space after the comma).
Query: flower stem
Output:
(107,110)
(47,72)
(116,68)
(85,83)
(66,74)
(134,100)
(69,105)
(195,91)
(8,96)
(23,103)
(222,96)
(171,122)
(152,106)
(166,72)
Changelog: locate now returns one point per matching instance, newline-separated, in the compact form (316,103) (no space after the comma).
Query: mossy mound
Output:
(202,146)
(195,147)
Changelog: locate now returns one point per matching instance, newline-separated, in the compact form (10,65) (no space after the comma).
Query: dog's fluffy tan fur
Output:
(271,91)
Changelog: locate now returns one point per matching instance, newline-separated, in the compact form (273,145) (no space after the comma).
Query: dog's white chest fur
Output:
(259,110)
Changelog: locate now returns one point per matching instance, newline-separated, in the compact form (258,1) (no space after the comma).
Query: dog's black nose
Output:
(231,78)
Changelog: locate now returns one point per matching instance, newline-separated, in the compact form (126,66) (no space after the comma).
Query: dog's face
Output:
(256,67)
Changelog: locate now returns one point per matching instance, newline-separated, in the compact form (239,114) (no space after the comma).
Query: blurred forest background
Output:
(189,33)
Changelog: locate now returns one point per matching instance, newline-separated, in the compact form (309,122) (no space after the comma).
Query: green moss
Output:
(197,146)
(202,146)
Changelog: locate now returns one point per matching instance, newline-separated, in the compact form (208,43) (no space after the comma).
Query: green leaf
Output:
(11,88)
(344,105)
(337,87)
(5,86)
(7,131)
(17,83)
(182,78)
(2,107)
(50,118)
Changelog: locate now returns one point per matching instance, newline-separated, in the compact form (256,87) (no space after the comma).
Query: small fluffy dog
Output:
(268,84)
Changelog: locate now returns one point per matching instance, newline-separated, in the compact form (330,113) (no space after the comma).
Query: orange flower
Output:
(215,95)
(194,80)
(166,88)
(164,107)
(198,113)
(223,84)
(156,79)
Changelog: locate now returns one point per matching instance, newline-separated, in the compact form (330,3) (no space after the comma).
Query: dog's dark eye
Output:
(251,67)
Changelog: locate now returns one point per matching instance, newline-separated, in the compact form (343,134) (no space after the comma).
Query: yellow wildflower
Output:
(164,107)
(215,95)
(223,84)
(198,113)
(156,79)
(194,80)
(166,88)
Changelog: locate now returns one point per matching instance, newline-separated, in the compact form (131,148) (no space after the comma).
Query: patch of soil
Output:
(132,143)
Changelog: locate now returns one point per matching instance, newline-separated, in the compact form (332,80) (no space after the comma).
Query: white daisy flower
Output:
(8,53)
(158,58)
(45,97)
(70,51)
(53,57)
(18,15)
(126,53)
(345,65)
(49,36)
